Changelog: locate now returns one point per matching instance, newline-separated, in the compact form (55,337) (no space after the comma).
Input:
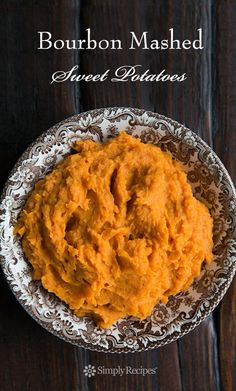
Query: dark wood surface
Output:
(31,358)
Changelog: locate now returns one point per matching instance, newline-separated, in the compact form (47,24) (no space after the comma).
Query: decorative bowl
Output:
(210,183)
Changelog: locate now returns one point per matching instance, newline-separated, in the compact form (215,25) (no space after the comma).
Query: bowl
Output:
(210,183)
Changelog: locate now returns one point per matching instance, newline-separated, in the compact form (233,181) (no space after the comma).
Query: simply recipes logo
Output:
(125,72)
(91,371)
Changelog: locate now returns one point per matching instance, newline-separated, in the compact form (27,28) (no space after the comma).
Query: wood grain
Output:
(224,144)
(29,103)
(31,358)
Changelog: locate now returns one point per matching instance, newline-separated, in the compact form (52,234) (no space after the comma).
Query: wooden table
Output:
(31,358)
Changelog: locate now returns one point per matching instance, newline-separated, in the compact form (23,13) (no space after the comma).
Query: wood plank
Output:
(199,358)
(225,86)
(162,361)
(225,144)
(227,343)
(187,102)
(30,105)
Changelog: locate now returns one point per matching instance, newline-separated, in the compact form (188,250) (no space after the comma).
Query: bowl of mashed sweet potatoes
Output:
(118,230)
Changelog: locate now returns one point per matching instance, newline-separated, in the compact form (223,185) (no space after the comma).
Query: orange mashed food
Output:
(114,229)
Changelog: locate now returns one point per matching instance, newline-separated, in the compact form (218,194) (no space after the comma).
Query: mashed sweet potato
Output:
(114,229)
